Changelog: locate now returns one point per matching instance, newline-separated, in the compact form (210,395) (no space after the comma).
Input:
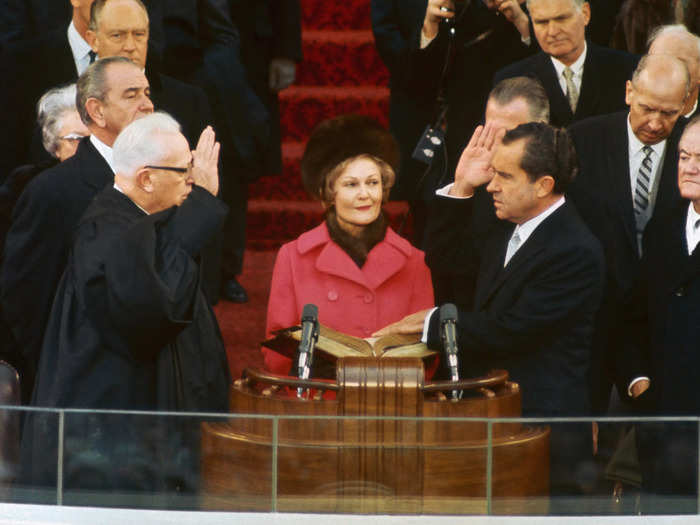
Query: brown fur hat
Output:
(341,138)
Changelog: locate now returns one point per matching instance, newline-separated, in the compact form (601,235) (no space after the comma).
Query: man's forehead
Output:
(690,141)
(122,13)
(551,7)
(125,76)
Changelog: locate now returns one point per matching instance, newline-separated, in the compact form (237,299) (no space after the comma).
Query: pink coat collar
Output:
(386,259)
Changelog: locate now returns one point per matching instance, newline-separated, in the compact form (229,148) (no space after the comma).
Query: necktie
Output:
(641,191)
(513,245)
(92,56)
(571,91)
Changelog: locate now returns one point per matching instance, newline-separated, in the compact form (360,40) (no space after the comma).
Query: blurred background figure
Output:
(636,21)
(61,131)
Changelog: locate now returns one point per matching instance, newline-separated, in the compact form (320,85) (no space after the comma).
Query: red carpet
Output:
(341,73)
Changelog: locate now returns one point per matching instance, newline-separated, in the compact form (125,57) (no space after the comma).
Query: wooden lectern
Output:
(360,464)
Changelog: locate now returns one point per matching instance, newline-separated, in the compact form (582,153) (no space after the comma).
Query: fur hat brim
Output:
(338,139)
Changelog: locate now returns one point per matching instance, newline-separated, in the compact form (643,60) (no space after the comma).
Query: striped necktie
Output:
(642,189)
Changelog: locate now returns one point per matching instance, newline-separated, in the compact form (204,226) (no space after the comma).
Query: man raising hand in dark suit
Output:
(539,284)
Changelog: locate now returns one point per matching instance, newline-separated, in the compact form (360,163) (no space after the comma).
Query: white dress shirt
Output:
(80,49)
(576,67)
(692,228)
(104,150)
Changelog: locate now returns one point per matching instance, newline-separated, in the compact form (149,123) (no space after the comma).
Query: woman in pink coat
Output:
(360,274)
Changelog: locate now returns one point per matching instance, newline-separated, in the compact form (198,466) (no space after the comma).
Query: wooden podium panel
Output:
(367,459)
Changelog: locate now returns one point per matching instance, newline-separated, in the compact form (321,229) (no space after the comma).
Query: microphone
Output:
(448,330)
(309,336)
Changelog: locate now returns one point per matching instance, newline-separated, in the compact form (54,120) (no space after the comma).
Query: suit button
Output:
(680,292)
(332,295)
(369,298)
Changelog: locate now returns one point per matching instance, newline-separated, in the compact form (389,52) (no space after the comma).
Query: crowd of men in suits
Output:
(587,280)
(208,63)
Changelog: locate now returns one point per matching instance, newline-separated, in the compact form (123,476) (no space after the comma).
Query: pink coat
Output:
(393,283)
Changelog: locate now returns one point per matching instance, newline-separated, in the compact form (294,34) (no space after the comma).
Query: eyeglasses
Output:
(183,171)
(169,168)
(73,137)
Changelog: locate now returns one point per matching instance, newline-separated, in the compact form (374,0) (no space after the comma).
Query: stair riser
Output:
(333,60)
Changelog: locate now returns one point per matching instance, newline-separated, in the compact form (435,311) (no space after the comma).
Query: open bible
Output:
(337,344)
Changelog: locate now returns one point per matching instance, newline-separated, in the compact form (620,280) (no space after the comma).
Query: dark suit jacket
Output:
(605,72)
(534,317)
(603,195)
(663,314)
(37,245)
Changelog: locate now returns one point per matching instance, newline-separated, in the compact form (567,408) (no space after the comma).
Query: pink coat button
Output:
(332,295)
(369,298)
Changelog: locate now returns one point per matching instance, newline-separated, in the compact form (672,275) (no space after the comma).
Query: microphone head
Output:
(309,313)
(448,312)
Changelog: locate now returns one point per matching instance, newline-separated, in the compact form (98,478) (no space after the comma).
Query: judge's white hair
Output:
(578,4)
(141,143)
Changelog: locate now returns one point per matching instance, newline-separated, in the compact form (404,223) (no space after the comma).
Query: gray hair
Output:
(96,12)
(675,29)
(93,84)
(578,4)
(529,89)
(141,143)
(51,110)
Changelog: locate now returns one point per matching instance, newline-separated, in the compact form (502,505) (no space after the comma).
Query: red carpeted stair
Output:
(341,73)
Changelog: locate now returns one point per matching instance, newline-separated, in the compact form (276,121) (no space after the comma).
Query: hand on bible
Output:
(205,162)
(411,324)
(474,167)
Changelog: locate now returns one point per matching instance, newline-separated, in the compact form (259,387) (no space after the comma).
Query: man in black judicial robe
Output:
(39,239)
(131,329)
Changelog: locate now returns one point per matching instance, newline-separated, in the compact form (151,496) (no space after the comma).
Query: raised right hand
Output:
(474,167)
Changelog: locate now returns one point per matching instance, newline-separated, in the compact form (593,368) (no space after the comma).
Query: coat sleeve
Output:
(286,19)
(140,286)
(33,261)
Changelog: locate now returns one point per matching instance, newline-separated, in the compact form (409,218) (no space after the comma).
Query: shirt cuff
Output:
(445,192)
(527,41)
(632,383)
(426,325)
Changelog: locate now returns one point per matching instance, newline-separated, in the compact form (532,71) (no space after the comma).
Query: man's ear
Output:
(95,108)
(545,185)
(628,92)
(144,180)
(91,38)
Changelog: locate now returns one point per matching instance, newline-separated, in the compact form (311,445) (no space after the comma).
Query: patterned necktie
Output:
(641,191)
(571,91)
(513,245)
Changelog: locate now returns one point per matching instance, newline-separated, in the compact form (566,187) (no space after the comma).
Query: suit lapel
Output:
(559,106)
(668,196)
(492,264)
(590,85)
(94,170)
(619,168)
